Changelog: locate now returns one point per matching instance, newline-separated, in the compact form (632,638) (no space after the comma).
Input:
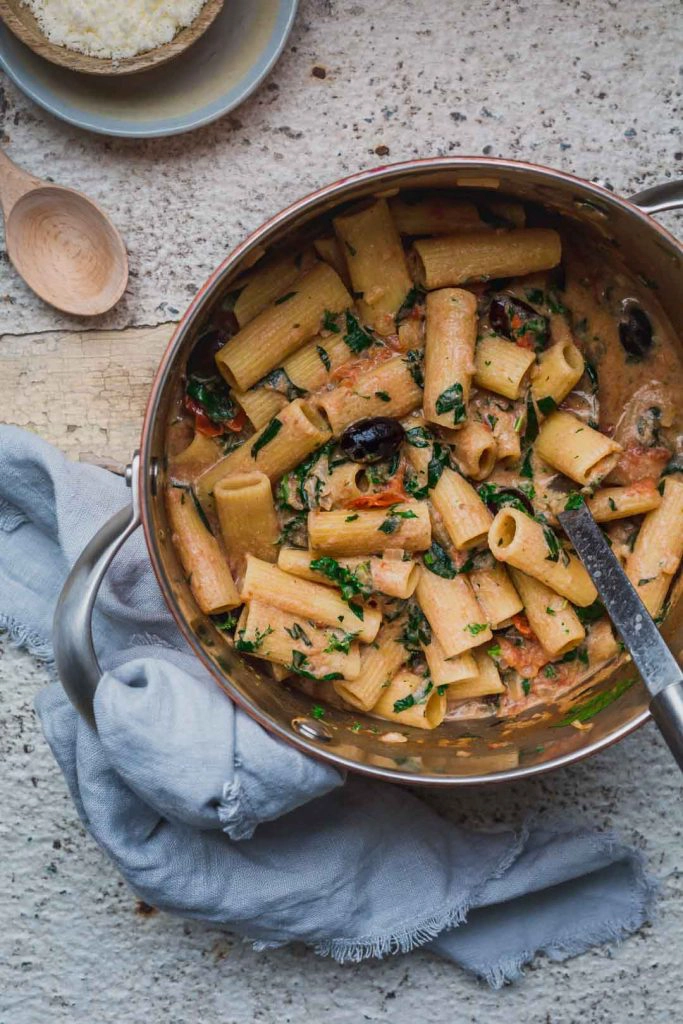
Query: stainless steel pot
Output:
(486,750)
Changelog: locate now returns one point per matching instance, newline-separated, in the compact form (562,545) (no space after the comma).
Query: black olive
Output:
(202,363)
(516,319)
(372,440)
(635,332)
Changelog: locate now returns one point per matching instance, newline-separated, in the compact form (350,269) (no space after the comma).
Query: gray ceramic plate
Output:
(208,80)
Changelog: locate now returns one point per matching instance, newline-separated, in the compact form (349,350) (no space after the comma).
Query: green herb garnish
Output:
(547,405)
(574,501)
(415,362)
(383,396)
(284,298)
(267,435)
(526,469)
(330,322)
(249,646)
(475,628)
(297,633)
(356,338)
(451,400)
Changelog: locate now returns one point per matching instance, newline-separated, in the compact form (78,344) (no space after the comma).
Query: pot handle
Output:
(667,196)
(75,657)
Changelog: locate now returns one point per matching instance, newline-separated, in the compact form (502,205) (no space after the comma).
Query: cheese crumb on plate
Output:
(102,28)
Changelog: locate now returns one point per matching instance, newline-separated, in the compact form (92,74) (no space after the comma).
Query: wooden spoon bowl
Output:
(62,243)
(21,21)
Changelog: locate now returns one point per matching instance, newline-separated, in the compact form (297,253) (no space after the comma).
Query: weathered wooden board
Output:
(85,392)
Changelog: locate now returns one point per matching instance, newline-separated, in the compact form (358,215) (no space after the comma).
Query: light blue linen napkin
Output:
(207,816)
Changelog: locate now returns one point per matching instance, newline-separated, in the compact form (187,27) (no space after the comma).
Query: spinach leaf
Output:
(356,338)
(269,432)
(451,400)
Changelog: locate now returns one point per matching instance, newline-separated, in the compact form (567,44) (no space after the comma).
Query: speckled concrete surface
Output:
(586,86)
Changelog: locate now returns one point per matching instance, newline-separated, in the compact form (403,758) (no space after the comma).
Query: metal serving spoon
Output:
(63,245)
(658,668)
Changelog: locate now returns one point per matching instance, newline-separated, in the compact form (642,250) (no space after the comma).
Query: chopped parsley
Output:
(612,504)
(451,400)
(351,519)
(475,628)
(526,686)
(491,420)
(549,672)
(269,432)
(214,398)
(356,338)
(297,633)
(416,632)
(410,700)
(339,644)
(330,322)
(249,646)
(347,580)
(299,664)
(317,711)
(574,501)
(324,357)
(225,622)
(393,517)
(383,396)
(414,360)
(419,437)
(526,469)
(439,562)
(495,651)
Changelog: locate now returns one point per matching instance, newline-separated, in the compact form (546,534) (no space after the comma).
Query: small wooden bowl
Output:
(20,20)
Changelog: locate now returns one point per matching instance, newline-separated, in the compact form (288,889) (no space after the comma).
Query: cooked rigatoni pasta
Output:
(577,450)
(206,566)
(516,538)
(377,264)
(379,663)
(374,461)
(486,683)
(463,513)
(276,332)
(393,577)
(246,512)
(296,431)
(269,584)
(658,549)
(339,532)
(260,405)
(387,389)
(617,502)
(330,251)
(445,671)
(434,215)
(452,611)
(449,355)
(266,282)
(475,449)
(551,616)
(496,595)
(312,366)
(269,633)
(410,700)
(501,367)
(559,369)
(481,255)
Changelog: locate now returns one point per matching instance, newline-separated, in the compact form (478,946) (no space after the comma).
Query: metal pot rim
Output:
(195,310)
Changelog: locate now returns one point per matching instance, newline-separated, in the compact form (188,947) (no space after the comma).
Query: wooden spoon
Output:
(63,245)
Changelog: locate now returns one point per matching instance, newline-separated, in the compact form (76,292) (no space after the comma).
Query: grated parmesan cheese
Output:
(101,28)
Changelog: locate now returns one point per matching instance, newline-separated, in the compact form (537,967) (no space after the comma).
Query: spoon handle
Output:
(14,183)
